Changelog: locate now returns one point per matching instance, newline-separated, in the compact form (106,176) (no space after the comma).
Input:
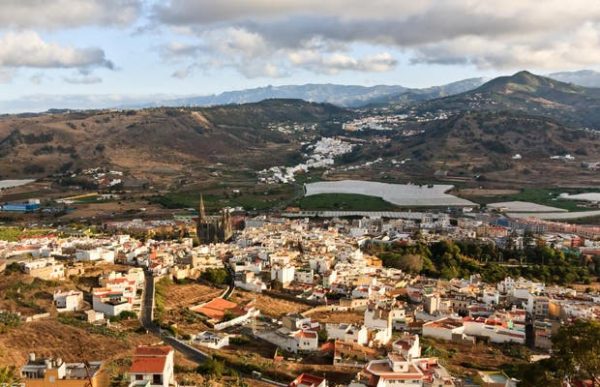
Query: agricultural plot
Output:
(402,195)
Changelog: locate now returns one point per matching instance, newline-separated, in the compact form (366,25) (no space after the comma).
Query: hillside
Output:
(152,142)
(484,143)
(525,92)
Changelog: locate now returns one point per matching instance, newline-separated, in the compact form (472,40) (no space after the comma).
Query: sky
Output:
(86,53)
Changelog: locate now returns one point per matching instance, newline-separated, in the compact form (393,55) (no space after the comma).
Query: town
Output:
(341,300)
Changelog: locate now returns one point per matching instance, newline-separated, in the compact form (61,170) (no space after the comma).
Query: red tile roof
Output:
(155,350)
(216,308)
(148,365)
(307,380)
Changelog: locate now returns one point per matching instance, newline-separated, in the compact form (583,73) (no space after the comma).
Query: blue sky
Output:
(100,51)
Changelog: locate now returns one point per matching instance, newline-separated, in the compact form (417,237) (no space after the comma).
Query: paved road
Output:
(148,323)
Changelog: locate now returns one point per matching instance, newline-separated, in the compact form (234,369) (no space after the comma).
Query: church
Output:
(213,229)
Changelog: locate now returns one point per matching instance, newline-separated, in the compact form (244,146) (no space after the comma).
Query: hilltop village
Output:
(362,301)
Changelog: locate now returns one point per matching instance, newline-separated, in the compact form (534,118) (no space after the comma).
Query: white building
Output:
(152,366)
(211,340)
(348,333)
(69,301)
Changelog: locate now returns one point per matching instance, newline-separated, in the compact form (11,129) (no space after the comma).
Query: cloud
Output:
(334,63)
(28,49)
(56,14)
(83,80)
(486,34)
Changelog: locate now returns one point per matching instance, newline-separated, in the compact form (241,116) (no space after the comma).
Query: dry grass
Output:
(186,295)
(338,317)
(52,338)
(269,306)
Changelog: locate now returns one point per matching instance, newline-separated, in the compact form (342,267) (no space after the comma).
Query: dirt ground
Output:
(186,295)
(269,306)
(53,338)
(338,317)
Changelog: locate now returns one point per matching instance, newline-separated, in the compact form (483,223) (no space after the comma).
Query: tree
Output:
(411,263)
(576,350)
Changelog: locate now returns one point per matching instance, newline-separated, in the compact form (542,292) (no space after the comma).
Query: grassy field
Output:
(345,202)
(544,196)
(12,234)
(255,198)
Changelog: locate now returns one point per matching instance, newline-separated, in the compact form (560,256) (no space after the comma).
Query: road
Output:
(153,328)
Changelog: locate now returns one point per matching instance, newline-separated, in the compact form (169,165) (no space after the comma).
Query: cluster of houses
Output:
(321,154)
(321,264)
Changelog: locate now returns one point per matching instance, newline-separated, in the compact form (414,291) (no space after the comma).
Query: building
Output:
(213,229)
(398,371)
(55,372)
(211,340)
(308,380)
(152,366)
(496,379)
(69,301)
(348,333)
(222,313)
(44,268)
(30,206)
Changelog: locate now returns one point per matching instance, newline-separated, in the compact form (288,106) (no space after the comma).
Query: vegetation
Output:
(9,376)
(575,356)
(447,259)
(92,329)
(218,276)
(9,320)
(160,296)
(212,367)
(124,315)
(13,234)
(345,202)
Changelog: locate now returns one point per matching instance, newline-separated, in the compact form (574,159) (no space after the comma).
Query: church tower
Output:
(201,211)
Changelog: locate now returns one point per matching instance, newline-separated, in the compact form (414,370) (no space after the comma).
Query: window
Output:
(139,377)
(157,379)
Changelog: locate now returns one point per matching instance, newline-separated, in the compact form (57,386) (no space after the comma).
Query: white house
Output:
(211,340)
(95,254)
(283,275)
(152,366)
(68,301)
(348,333)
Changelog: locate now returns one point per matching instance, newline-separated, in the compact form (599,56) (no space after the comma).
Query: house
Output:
(117,295)
(447,328)
(408,346)
(396,370)
(152,366)
(348,333)
(44,268)
(222,313)
(69,301)
(496,379)
(291,341)
(55,372)
(308,380)
(93,317)
(211,340)
(95,254)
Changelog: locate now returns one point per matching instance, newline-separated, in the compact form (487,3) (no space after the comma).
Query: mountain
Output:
(586,78)
(528,93)
(418,95)
(342,95)
(154,142)
(484,143)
